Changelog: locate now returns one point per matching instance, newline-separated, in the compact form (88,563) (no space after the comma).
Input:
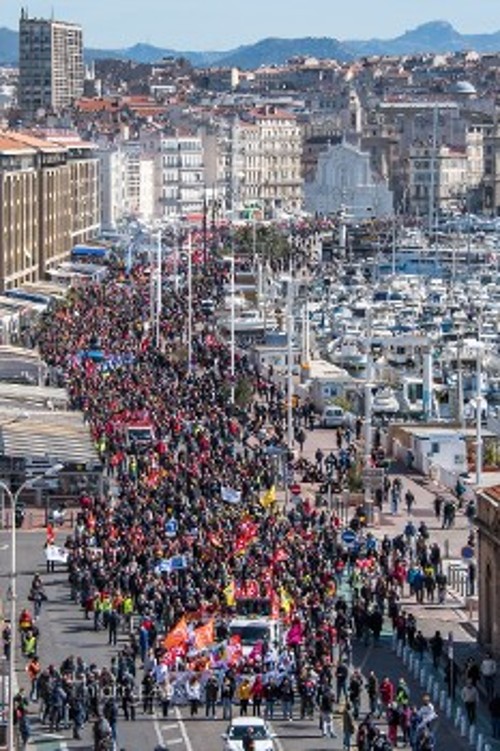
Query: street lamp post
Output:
(14,498)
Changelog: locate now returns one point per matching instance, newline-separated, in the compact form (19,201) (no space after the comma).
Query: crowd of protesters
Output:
(101,343)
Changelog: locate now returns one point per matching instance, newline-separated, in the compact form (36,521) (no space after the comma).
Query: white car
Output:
(241,727)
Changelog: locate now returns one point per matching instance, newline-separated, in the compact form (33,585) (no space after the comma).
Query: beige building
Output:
(438,179)
(492,170)
(271,146)
(49,200)
(488,524)
(51,71)
(258,162)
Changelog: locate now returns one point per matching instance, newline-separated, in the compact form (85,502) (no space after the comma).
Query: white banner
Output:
(56,554)
(230,495)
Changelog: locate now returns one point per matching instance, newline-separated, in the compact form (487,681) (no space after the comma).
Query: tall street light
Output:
(14,498)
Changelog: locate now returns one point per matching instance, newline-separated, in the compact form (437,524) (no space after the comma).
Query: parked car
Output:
(333,417)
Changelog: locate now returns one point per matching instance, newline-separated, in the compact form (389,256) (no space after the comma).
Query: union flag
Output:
(204,635)
(178,636)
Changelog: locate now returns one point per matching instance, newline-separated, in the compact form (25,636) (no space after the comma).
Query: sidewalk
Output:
(451,617)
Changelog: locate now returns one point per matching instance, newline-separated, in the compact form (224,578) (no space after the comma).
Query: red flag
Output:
(172,654)
(178,636)
(246,533)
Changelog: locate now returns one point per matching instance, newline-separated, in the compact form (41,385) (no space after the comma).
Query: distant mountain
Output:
(275,51)
(148,53)
(9,46)
(433,37)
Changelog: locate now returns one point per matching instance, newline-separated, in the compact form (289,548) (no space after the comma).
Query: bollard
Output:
(30,520)
(463,726)
(487,747)
(430,685)
(449,707)
(416,668)
(422,675)
(394,642)
(404,654)
(472,734)
(479,742)
(409,661)
(442,698)
(458,717)
(399,648)
(435,693)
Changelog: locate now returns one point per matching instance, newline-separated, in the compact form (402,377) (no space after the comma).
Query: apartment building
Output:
(438,179)
(259,162)
(127,183)
(113,168)
(51,71)
(178,172)
(83,165)
(273,163)
(49,201)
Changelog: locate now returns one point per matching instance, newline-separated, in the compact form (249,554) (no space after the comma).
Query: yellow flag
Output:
(269,497)
(286,600)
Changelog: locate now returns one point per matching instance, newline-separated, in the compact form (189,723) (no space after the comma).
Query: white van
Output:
(333,417)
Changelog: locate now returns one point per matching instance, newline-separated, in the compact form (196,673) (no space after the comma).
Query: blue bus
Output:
(90,254)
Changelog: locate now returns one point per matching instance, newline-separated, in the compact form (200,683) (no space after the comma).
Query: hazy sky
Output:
(223,24)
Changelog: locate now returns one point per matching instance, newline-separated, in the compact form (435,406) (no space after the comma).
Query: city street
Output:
(65,631)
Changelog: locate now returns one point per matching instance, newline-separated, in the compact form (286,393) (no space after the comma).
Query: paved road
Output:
(64,631)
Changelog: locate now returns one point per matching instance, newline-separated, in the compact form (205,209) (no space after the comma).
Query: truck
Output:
(255,621)
(255,630)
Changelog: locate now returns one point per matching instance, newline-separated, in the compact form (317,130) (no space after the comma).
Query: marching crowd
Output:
(201,493)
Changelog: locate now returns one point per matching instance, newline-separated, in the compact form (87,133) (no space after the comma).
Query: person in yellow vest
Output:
(244,693)
(29,644)
(107,607)
(128,610)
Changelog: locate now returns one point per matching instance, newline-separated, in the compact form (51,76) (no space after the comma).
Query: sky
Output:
(224,24)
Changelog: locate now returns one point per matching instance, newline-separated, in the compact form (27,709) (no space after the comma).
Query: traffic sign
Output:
(171,528)
(348,536)
(467,552)
(295,488)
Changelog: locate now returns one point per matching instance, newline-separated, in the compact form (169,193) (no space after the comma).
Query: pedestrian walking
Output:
(469,697)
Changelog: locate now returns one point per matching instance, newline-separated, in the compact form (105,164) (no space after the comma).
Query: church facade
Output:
(344,181)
